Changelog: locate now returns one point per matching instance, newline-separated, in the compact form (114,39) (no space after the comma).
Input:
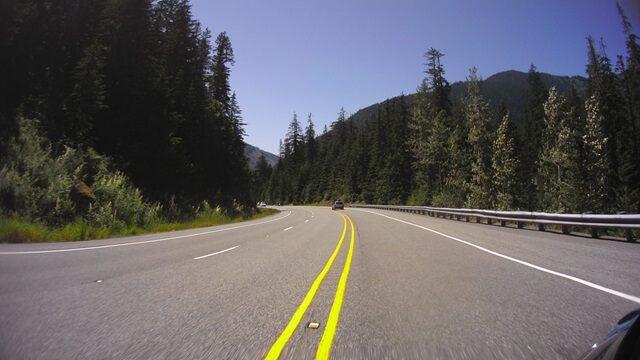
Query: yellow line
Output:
(324,349)
(277,347)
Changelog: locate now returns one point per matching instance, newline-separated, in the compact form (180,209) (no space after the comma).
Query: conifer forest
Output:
(573,151)
(117,112)
(121,113)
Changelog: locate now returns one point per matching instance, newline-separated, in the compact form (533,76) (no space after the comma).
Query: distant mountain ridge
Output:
(253,153)
(510,87)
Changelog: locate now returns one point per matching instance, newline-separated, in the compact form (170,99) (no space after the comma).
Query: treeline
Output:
(126,88)
(575,153)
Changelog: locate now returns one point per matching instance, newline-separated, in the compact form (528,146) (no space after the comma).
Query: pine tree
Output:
(399,156)
(89,93)
(439,87)
(479,138)
(429,127)
(220,72)
(532,149)
(261,176)
(420,126)
(437,155)
(294,141)
(595,142)
(602,88)
(310,142)
(505,165)
(135,99)
(459,162)
(629,84)
(561,159)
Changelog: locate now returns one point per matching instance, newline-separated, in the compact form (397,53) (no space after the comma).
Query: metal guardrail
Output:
(626,222)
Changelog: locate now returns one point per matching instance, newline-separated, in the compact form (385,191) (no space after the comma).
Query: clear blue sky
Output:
(319,56)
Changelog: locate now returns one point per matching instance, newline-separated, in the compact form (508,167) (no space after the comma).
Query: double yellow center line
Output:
(324,348)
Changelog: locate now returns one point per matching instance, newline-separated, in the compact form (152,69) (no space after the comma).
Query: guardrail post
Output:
(629,235)
(565,229)
(503,223)
(468,218)
(541,227)
(520,224)
(594,233)
(478,220)
(489,221)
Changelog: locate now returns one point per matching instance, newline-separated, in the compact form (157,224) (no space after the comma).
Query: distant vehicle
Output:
(262,204)
(623,342)
(338,204)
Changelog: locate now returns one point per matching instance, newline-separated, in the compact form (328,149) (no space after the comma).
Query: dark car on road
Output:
(338,204)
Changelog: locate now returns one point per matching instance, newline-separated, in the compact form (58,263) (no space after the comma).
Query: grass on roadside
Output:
(23,231)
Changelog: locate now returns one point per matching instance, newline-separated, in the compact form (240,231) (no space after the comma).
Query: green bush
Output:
(66,189)
(419,197)
(75,195)
(33,183)
(120,205)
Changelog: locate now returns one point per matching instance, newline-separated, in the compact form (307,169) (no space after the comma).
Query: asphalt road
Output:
(414,287)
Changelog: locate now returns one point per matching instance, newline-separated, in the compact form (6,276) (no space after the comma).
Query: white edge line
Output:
(215,253)
(289,228)
(136,243)
(569,277)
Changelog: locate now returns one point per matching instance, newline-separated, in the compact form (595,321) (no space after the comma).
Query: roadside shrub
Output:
(119,204)
(71,188)
(33,183)
(419,197)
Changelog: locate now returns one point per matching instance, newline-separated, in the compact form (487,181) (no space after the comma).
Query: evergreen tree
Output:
(310,142)
(596,148)
(220,72)
(602,88)
(134,96)
(89,93)
(420,126)
(505,165)
(439,87)
(437,155)
(399,155)
(459,161)
(429,127)
(561,157)
(293,141)
(261,176)
(229,126)
(629,84)
(534,129)
(479,138)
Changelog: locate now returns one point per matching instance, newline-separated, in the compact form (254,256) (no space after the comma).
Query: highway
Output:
(381,285)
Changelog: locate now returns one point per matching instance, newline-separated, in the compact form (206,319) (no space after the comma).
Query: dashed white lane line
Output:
(289,228)
(306,221)
(540,268)
(215,253)
(138,242)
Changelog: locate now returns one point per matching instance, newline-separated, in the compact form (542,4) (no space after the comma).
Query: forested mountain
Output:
(508,87)
(129,92)
(253,155)
(514,141)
